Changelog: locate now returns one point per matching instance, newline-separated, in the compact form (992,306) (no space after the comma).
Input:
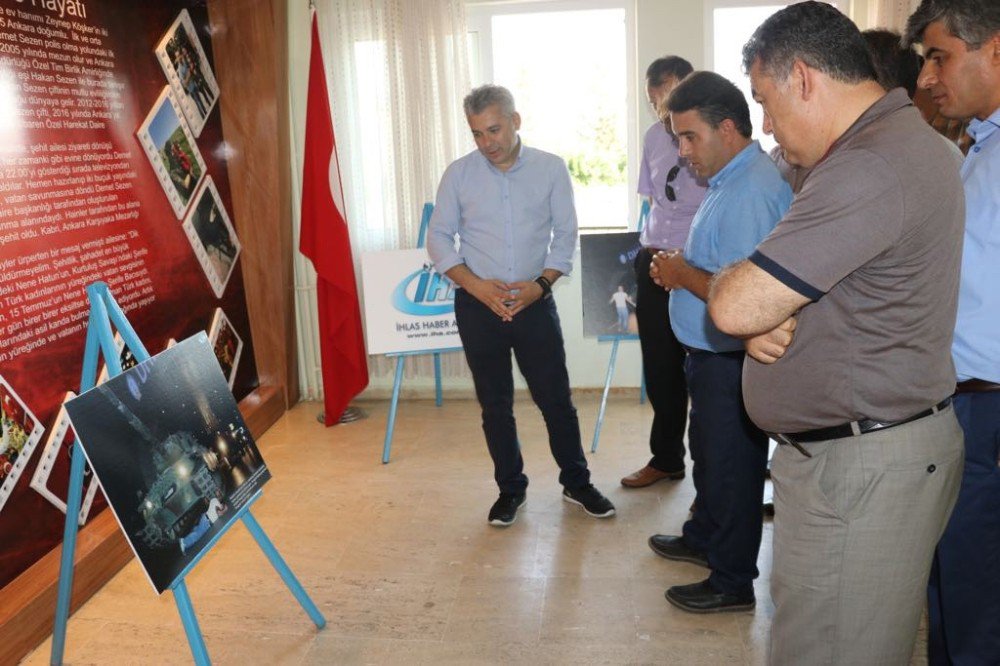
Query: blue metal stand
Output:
(425,220)
(400,357)
(615,339)
(100,341)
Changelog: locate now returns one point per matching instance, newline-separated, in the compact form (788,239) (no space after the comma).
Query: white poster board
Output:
(408,305)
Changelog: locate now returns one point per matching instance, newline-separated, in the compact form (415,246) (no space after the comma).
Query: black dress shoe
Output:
(674,548)
(703,598)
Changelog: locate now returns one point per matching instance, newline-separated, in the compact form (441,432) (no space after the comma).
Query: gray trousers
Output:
(854,534)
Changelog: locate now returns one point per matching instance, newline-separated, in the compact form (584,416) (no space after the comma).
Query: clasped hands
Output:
(506,299)
(667,270)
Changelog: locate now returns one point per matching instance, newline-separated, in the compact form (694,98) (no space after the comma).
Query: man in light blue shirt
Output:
(746,197)
(511,209)
(961,41)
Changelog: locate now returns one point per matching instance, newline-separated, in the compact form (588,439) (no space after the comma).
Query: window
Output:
(729,24)
(568,69)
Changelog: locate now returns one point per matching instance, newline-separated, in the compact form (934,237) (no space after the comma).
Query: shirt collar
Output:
(980,129)
(737,163)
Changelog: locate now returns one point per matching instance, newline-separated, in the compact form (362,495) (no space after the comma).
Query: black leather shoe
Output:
(703,598)
(674,548)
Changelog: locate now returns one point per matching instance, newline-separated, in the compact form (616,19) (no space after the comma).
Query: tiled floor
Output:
(403,564)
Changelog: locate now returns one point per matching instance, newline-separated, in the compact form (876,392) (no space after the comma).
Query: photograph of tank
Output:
(608,283)
(172,453)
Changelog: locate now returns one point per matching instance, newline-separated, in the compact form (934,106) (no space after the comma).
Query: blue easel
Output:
(614,340)
(425,220)
(103,312)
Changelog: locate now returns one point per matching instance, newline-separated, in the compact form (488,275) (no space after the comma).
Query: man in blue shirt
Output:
(961,41)
(511,208)
(746,197)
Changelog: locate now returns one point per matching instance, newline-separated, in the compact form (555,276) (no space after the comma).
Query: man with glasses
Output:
(961,41)
(746,198)
(674,193)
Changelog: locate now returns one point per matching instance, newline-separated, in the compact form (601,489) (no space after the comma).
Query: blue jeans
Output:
(535,337)
(963,594)
(730,456)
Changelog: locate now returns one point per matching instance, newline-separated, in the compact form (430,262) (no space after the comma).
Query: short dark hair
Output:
(896,66)
(972,21)
(667,67)
(815,33)
(715,98)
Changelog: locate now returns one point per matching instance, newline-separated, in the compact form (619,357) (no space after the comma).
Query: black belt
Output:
(976,386)
(852,429)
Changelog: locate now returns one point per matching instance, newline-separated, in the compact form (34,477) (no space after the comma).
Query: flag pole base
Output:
(350,415)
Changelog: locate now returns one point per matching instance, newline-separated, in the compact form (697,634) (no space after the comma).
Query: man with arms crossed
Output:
(674,192)
(868,256)
(511,207)
(746,198)
(961,40)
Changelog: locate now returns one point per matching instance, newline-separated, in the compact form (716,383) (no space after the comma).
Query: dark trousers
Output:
(730,455)
(663,366)
(963,599)
(536,340)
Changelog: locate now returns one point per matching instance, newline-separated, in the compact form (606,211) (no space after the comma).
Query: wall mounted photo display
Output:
(172,453)
(212,236)
(55,463)
(20,432)
(172,151)
(187,69)
(226,343)
(608,283)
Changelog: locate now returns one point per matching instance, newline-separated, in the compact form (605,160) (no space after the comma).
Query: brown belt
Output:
(976,386)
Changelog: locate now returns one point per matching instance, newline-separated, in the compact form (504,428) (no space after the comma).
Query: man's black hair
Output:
(972,21)
(715,98)
(815,33)
(667,67)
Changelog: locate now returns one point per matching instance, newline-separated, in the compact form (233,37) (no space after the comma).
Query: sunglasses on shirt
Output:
(671,177)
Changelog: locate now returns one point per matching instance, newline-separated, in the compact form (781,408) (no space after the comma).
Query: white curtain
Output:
(891,14)
(397,71)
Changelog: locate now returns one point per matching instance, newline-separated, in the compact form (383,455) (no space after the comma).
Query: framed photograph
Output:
(212,237)
(608,283)
(187,69)
(20,432)
(51,477)
(172,151)
(227,345)
(172,453)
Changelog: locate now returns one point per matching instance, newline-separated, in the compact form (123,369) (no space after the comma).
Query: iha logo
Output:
(424,293)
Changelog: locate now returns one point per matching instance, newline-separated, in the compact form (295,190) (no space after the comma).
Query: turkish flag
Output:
(325,241)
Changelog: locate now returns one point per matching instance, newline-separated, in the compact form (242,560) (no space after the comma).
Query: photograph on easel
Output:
(608,283)
(172,453)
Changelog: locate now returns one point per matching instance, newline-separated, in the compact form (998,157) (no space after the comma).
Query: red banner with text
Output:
(113,168)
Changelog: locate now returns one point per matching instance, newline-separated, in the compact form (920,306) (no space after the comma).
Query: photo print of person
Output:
(20,432)
(51,477)
(186,67)
(172,151)
(608,283)
(226,343)
(212,237)
(172,454)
